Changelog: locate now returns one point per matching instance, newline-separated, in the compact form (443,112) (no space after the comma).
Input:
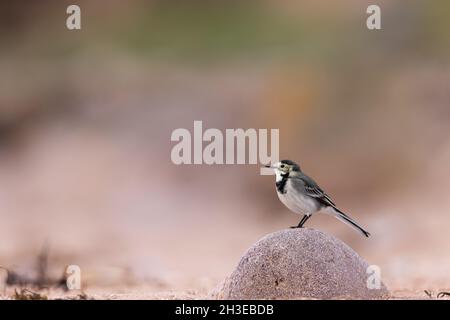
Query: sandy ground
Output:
(150,293)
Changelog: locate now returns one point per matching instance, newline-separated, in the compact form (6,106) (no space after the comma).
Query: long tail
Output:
(345,218)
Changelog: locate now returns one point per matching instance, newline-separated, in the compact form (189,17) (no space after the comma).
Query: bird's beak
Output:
(264,170)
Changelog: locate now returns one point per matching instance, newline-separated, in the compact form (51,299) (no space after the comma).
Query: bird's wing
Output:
(313,190)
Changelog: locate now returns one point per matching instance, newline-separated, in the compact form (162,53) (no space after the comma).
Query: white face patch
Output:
(278,175)
(277,172)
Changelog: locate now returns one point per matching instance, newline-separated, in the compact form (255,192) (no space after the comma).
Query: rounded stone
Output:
(300,263)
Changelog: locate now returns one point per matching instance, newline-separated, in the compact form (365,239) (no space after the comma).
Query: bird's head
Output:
(285,167)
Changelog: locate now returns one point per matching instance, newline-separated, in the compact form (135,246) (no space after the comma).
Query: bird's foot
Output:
(296,227)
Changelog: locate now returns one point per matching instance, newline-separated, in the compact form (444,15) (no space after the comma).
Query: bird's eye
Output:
(282,166)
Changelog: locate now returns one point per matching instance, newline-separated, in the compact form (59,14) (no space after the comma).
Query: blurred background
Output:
(86,118)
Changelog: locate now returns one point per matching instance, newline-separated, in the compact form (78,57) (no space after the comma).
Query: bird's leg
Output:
(302,222)
(304,219)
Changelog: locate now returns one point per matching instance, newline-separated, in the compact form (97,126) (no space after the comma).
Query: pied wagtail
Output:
(302,195)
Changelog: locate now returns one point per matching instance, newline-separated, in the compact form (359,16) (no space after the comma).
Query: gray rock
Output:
(296,264)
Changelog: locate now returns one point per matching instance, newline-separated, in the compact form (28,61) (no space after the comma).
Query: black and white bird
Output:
(302,195)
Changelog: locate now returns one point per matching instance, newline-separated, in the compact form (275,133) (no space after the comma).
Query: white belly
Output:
(297,202)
